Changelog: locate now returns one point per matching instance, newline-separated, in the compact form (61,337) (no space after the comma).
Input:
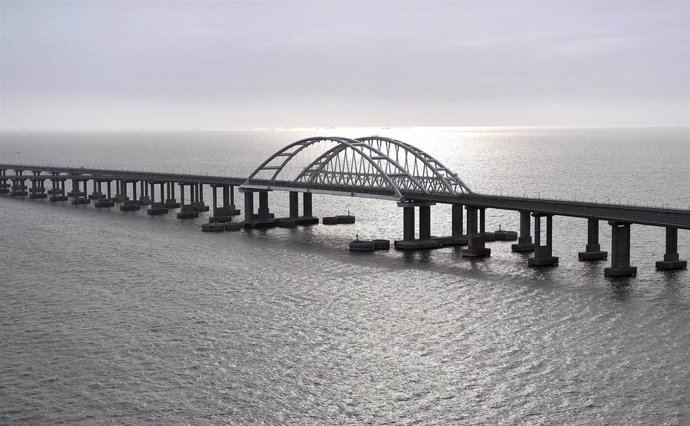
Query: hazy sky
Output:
(224,64)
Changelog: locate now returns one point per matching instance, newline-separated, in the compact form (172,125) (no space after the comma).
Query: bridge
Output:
(368,167)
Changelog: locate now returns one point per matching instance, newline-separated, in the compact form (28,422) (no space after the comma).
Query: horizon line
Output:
(306,128)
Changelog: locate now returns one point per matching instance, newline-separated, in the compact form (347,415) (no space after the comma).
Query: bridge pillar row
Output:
(671,260)
(475,238)
(524,243)
(620,251)
(593,249)
(543,253)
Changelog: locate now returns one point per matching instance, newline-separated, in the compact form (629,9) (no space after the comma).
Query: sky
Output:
(243,64)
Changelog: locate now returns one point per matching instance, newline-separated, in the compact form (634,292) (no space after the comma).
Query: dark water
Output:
(111,317)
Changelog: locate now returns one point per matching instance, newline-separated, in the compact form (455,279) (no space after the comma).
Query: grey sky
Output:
(130,64)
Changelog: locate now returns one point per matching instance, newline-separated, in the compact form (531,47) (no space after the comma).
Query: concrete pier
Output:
(18,188)
(58,190)
(488,236)
(37,190)
(4,186)
(144,198)
(524,243)
(133,204)
(620,251)
(457,225)
(79,196)
(157,207)
(170,201)
(475,239)
(264,218)
(593,249)
(671,260)
(97,193)
(198,197)
(543,253)
(409,242)
(107,200)
(187,211)
(225,212)
(294,218)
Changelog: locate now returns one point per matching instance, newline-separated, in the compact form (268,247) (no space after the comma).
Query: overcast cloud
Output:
(129,64)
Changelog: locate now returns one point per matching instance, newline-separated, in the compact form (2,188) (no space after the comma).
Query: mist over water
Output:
(119,317)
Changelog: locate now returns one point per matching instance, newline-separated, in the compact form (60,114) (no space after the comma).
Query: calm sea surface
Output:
(112,317)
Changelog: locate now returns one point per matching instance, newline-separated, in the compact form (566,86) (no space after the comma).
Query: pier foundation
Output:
(671,260)
(264,218)
(524,244)
(593,249)
(170,201)
(157,206)
(187,211)
(475,238)
(543,255)
(409,242)
(620,251)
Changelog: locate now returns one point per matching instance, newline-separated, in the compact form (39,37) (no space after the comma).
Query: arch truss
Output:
(367,165)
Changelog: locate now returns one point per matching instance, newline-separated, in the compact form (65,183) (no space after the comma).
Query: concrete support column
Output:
(134,190)
(215,199)
(620,251)
(294,204)
(457,220)
(226,197)
(200,198)
(263,205)
(181,194)
(472,225)
(408,223)
(424,222)
(475,240)
(543,253)
(248,206)
(482,220)
(593,249)
(671,260)
(306,201)
(152,192)
(524,243)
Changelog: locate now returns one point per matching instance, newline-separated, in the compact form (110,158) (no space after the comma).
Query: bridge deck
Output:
(654,216)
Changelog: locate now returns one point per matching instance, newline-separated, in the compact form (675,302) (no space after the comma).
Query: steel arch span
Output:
(367,166)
